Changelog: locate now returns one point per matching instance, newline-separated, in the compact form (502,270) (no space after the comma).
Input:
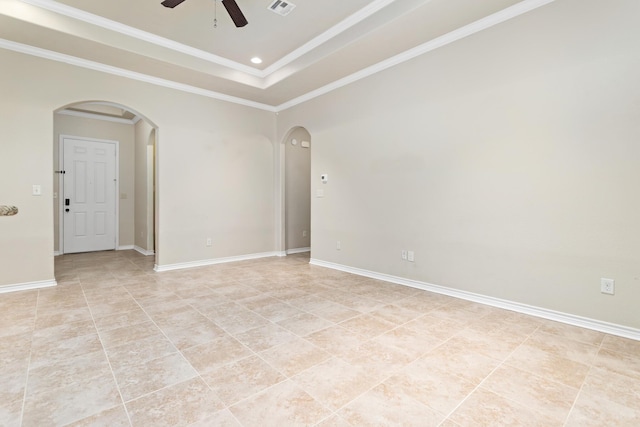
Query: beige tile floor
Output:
(277,342)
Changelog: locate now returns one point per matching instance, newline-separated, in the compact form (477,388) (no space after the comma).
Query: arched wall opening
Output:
(296,191)
(135,137)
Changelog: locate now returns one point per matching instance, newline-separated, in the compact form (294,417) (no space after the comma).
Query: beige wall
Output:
(297,190)
(215,175)
(508,161)
(143,223)
(25,159)
(99,129)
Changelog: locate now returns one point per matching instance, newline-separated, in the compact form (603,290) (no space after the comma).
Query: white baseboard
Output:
(297,250)
(281,253)
(120,248)
(584,322)
(143,251)
(28,286)
(192,264)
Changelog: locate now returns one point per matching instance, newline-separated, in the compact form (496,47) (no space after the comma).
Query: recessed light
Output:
(256,60)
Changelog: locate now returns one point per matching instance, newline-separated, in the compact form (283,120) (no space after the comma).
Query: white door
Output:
(89,195)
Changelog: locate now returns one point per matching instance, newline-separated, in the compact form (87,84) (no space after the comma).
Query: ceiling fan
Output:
(232,8)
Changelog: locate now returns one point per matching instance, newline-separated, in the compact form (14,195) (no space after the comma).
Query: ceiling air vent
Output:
(281,7)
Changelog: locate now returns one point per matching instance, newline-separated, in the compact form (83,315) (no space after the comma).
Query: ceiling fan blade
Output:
(171,3)
(234,11)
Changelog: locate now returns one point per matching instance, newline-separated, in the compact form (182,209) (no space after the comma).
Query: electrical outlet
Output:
(208,241)
(404,254)
(411,256)
(338,245)
(607,286)
(305,233)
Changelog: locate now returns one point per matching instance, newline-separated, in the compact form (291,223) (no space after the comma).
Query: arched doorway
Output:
(297,191)
(134,139)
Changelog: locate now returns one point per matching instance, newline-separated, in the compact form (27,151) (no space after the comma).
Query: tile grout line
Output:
(258,355)
(26,380)
(360,313)
(254,353)
(179,352)
(104,351)
(385,378)
(486,377)
(575,400)
(435,348)
(568,417)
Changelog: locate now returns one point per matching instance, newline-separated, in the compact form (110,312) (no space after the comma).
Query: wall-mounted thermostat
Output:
(324,178)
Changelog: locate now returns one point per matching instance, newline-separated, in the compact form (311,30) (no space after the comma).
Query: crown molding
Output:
(332,32)
(96,116)
(453,36)
(134,120)
(127,30)
(96,66)
(462,32)
(117,27)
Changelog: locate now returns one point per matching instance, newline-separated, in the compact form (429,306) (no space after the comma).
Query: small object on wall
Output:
(607,286)
(324,178)
(305,144)
(294,141)
(6,210)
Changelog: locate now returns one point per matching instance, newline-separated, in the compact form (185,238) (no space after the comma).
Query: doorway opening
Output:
(297,191)
(104,187)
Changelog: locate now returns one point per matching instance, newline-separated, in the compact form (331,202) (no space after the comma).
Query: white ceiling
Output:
(320,45)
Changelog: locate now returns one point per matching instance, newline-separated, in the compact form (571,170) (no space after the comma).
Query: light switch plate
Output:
(37,190)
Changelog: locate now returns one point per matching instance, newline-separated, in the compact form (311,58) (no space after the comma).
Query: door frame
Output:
(61,188)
